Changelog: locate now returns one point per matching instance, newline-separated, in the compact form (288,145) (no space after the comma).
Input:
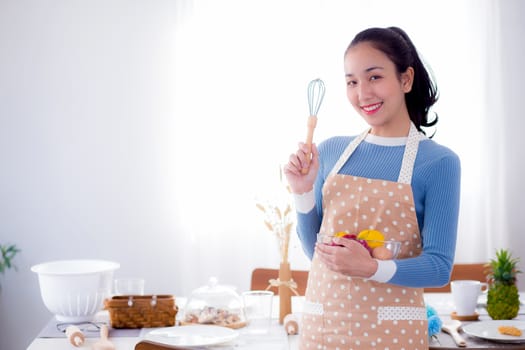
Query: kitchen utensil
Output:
(75,335)
(451,327)
(214,304)
(316,91)
(74,290)
(192,336)
(103,343)
(465,294)
(488,330)
(258,310)
(384,250)
(141,311)
(291,324)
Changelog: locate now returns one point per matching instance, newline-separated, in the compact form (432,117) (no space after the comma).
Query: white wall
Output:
(86,102)
(88,166)
(83,103)
(513,95)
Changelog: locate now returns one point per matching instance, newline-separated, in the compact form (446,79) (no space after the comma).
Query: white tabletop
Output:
(276,339)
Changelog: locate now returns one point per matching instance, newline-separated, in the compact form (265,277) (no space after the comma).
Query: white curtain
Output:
(241,76)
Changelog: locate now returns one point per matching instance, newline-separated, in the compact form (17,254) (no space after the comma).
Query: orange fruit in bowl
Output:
(382,253)
(374,238)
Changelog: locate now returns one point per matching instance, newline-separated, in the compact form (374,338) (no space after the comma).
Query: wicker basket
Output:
(141,311)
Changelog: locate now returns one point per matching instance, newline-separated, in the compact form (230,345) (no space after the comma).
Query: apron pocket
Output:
(313,308)
(398,313)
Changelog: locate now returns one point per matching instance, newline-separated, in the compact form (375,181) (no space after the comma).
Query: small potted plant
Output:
(7,254)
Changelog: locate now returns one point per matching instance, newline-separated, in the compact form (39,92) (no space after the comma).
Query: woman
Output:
(392,179)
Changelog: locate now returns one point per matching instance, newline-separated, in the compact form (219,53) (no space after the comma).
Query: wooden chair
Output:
(463,272)
(261,276)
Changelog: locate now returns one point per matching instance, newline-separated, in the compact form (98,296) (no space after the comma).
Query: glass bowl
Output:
(382,250)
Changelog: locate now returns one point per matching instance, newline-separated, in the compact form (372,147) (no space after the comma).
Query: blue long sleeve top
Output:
(436,190)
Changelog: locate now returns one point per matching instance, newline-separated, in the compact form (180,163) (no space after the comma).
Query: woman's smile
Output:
(372,108)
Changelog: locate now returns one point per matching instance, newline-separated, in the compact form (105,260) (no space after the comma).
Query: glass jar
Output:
(216,305)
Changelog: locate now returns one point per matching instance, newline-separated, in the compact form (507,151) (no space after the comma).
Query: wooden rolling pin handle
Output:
(291,324)
(104,332)
(75,336)
(311,124)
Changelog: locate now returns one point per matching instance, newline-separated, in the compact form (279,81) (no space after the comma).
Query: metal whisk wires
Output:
(316,90)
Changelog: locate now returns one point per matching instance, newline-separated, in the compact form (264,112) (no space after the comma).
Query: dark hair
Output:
(396,44)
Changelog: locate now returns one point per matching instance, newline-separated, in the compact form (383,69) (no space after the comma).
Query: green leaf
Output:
(8,253)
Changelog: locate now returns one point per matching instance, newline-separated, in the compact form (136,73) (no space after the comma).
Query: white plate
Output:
(489,330)
(197,335)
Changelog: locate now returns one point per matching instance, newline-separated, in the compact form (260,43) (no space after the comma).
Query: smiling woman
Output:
(240,75)
(145,131)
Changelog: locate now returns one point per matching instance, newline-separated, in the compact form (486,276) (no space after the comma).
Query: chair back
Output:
(476,271)
(262,276)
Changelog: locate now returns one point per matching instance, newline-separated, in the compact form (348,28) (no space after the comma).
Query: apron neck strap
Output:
(409,156)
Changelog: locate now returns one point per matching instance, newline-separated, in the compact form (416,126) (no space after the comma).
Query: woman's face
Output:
(376,90)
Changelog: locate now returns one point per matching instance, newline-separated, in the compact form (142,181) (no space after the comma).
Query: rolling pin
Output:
(75,335)
(291,324)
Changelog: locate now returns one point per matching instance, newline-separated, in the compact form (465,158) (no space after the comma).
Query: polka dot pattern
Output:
(352,313)
(401,313)
(405,176)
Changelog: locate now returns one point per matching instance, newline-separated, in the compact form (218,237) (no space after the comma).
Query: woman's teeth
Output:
(371,108)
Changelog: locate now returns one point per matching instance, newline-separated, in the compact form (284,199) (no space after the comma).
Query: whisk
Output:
(316,90)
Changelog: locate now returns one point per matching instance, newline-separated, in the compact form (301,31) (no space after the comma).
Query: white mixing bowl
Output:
(74,290)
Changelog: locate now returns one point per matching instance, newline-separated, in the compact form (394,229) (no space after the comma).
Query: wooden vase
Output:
(285,293)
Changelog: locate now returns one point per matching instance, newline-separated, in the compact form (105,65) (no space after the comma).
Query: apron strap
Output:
(348,152)
(409,156)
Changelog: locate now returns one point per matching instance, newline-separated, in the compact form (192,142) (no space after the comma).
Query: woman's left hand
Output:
(347,257)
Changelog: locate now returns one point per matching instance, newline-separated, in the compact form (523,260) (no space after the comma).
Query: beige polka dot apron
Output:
(342,312)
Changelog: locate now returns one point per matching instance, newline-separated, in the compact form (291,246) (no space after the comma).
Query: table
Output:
(444,305)
(277,339)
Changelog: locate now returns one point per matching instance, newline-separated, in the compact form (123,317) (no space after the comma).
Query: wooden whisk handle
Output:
(311,124)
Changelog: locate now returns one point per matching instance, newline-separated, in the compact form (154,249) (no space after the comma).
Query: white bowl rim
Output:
(50,267)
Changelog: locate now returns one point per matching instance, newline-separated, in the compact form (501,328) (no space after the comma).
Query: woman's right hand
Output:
(302,183)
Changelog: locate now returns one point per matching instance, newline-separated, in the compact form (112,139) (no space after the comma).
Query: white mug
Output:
(465,294)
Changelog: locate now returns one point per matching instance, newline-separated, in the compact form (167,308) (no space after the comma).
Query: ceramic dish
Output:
(489,330)
(188,336)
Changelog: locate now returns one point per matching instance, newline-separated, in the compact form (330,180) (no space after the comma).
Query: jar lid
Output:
(214,304)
